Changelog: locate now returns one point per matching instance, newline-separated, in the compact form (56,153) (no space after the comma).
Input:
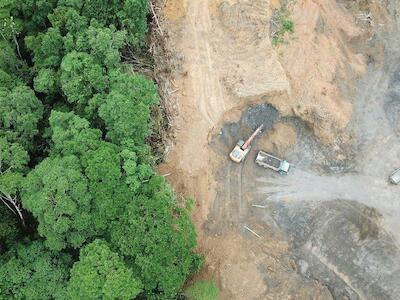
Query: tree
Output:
(7,25)
(20,112)
(102,10)
(158,238)
(33,13)
(102,43)
(136,170)
(81,77)
(133,17)
(48,48)
(8,227)
(68,20)
(203,290)
(98,180)
(101,273)
(107,186)
(30,271)
(6,81)
(46,81)
(71,134)
(13,161)
(126,111)
(13,157)
(80,189)
(9,28)
(57,194)
(10,189)
(101,165)
(137,87)
(14,67)
(130,15)
(124,119)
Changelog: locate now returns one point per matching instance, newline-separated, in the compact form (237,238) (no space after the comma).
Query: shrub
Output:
(203,290)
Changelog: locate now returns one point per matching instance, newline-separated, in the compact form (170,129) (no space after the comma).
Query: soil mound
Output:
(249,64)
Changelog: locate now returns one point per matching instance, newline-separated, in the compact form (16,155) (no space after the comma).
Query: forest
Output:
(83,213)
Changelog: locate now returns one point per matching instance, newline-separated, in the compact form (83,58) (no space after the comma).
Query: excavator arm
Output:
(250,139)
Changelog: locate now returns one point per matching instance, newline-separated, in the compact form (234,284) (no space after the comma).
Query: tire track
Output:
(205,78)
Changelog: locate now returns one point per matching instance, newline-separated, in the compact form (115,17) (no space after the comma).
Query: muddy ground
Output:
(329,98)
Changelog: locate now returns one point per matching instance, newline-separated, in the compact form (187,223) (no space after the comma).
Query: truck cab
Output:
(284,167)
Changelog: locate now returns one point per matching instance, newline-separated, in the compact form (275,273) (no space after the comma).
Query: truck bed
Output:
(268,161)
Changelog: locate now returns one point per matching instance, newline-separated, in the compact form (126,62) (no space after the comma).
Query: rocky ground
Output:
(329,100)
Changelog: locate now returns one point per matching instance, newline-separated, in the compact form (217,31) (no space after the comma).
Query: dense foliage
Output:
(30,271)
(74,122)
(101,273)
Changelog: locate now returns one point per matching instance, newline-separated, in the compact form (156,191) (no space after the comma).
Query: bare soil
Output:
(328,98)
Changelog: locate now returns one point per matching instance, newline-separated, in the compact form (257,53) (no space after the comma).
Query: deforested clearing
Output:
(327,95)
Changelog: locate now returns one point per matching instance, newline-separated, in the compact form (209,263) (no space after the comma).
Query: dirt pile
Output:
(318,55)
(280,139)
(250,66)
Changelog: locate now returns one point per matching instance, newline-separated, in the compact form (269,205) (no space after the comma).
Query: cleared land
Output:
(329,99)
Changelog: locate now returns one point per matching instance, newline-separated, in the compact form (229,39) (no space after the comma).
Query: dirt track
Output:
(330,228)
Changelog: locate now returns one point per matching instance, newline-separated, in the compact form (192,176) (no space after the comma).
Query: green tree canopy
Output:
(30,271)
(81,77)
(101,273)
(107,187)
(130,15)
(72,134)
(46,81)
(136,169)
(57,194)
(33,13)
(20,112)
(80,188)
(8,227)
(101,162)
(8,26)
(6,81)
(102,43)
(13,157)
(126,111)
(13,164)
(47,48)
(158,238)
(78,158)
(68,20)
(16,69)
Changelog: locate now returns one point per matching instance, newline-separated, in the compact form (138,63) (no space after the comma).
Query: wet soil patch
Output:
(392,103)
(338,240)
(253,117)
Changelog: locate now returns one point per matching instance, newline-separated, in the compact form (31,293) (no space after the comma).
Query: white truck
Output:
(395,177)
(267,160)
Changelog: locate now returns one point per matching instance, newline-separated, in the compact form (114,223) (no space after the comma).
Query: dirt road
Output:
(328,98)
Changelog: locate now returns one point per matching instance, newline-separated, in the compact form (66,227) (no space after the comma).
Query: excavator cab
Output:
(238,154)
(242,148)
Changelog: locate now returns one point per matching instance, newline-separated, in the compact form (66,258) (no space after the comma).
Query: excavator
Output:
(239,153)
